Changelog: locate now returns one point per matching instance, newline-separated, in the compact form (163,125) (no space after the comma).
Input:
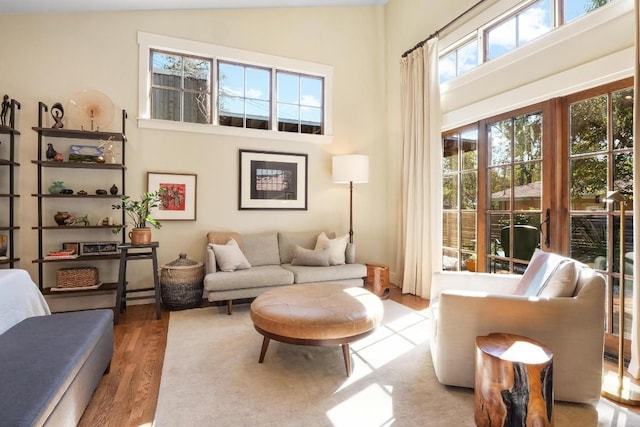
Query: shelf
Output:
(73,227)
(5,162)
(9,195)
(7,130)
(9,228)
(9,260)
(105,288)
(79,134)
(78,165)
(80,258)
(79,196)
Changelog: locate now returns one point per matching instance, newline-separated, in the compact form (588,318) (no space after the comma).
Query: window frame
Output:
(148,41)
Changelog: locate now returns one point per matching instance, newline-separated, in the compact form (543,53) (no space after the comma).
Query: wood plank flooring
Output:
(127,396)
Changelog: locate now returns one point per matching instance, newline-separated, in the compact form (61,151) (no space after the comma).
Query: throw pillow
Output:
(542,266)
(314,258)
(336,247)
(229,257)
(562,282)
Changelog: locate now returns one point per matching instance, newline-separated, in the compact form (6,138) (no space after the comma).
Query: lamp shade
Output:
(351,168)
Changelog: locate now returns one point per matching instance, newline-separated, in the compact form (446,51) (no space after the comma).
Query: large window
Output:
(199,87)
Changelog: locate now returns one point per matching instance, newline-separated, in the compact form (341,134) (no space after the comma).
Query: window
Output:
(199,87)
(244,96)
(516,27)
(180,88)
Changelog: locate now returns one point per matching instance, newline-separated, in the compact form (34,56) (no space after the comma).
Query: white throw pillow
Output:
(229,257)
(336,247)
(562,282)
(310,257)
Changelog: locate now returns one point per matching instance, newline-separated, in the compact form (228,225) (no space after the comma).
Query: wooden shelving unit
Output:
(11,165)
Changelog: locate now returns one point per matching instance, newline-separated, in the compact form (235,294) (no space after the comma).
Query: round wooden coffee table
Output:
(316,314)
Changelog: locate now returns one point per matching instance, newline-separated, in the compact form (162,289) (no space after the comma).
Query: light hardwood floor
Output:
(127,396)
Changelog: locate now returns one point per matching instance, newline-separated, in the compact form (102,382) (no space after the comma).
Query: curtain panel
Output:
(420,222)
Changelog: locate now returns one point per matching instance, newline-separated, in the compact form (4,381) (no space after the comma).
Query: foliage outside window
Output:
(180,88)
(459,202)
(518,26)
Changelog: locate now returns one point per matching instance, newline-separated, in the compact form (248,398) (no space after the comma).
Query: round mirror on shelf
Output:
(90,110)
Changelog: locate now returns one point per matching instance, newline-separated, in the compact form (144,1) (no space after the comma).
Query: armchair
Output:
(466,305)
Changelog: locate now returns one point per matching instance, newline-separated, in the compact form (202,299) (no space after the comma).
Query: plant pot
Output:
(140,236)
(471,265)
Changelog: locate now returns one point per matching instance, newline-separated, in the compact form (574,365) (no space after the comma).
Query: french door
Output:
(542,174)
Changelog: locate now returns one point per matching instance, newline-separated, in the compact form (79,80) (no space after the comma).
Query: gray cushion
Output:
(315,258)
(264,275)
(261,248)
(287,242)
(40,357)
(304,274)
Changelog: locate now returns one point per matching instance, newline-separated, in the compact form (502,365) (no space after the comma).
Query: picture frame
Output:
(178,203)
(272,180)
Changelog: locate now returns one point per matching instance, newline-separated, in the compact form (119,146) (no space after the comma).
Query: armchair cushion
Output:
(541,269)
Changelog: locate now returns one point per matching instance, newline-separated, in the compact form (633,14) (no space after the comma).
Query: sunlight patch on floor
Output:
(373,406)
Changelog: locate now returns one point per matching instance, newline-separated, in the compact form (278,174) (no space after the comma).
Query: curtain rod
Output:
(444,27)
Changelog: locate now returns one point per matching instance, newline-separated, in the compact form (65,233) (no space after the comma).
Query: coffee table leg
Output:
(265,344)
(347,358)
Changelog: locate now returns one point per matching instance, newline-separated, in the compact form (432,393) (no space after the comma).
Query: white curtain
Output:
(634,366)
(420,222)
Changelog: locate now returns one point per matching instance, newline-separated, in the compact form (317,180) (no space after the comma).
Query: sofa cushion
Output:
(229,257)
(261,248)
(335,246)
(40,359)
(222,237)
(314,258)
(541,268)
(264,275)
(287,242)
(305,274)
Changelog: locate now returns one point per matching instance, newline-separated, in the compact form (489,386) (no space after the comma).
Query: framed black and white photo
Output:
(272,180)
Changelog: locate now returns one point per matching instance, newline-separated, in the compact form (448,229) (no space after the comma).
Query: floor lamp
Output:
(618,389)
(351,169)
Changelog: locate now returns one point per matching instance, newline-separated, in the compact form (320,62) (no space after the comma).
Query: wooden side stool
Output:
(146,251)
(378,277)
(514,382)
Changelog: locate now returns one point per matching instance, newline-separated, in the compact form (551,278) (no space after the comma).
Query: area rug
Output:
(211,377)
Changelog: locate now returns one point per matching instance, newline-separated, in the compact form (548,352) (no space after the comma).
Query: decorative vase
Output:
(61,217)
(113,190)
(140,236)
(56,187)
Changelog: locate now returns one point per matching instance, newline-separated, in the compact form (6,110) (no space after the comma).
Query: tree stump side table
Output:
(514,382)
(378,277)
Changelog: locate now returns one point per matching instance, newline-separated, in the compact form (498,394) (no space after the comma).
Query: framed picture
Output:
(271,180)
(178,202)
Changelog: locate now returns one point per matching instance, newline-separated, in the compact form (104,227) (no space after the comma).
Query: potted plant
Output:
(139,211)
(471,263)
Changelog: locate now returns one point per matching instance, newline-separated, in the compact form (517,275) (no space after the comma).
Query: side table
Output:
(514,382)
(129,252)
(378,277)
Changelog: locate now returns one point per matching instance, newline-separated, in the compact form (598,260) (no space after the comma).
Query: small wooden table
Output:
(378,277)
(514,382)
(146,251)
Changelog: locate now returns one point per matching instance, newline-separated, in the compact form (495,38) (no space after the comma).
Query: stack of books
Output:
(62,254)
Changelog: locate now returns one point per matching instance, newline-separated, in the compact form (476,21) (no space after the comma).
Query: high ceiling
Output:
(46,6)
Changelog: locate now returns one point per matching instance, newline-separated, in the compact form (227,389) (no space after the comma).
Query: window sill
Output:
(232,131)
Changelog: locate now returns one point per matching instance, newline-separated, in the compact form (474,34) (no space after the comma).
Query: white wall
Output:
(50,57)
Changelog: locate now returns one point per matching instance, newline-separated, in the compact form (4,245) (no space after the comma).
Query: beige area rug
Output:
(211,377)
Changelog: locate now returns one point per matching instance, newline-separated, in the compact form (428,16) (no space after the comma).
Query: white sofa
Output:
(466,305)
(270,255)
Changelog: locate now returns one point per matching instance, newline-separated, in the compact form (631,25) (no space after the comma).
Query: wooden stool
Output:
(514,382)
(378,276)
(125,256)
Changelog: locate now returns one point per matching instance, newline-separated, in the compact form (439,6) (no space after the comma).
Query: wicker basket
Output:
(181,283)
(76,277)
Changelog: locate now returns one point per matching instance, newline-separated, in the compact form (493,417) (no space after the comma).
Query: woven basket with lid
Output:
(181,283)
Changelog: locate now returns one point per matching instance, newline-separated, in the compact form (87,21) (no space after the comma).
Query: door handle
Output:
(547,222)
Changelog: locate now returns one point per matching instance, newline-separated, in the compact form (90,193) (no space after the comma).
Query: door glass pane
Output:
(450,191)
(588,125)
(499,136)
(588,240)
(469,190)
(628,244)
(527,190)
(496,222)
(470,150)
(623,172)
(450,229)
(622,119)
(468,226)
(450,154)
(528,138)
(500,187)
(450,260)
(588,183)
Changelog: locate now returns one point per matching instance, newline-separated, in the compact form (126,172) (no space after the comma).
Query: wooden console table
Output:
(514,382)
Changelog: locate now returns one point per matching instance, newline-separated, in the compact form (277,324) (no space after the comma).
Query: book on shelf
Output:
(62,254)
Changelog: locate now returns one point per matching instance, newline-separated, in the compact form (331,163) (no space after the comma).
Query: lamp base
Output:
(624,392)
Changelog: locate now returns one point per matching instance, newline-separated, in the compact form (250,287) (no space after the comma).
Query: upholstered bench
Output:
(316,314)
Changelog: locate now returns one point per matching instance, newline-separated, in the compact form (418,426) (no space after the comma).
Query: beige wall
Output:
(50,57)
